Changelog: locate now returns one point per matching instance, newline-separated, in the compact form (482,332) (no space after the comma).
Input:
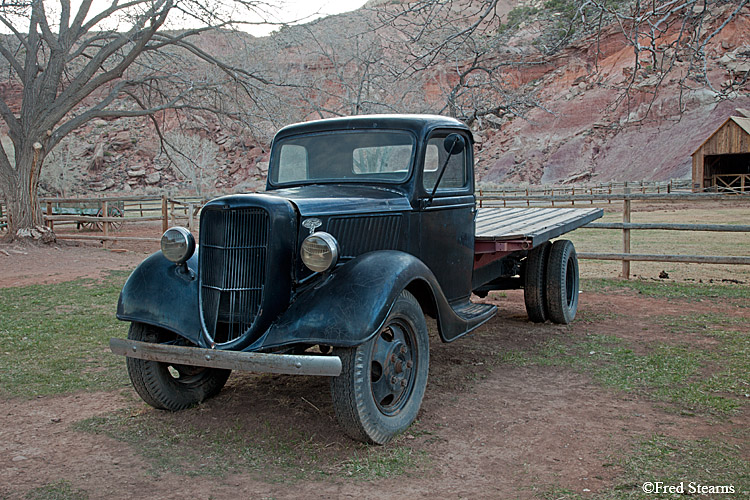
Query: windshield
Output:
(343,156)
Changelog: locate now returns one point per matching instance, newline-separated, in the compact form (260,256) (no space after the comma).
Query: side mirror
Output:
(454,144)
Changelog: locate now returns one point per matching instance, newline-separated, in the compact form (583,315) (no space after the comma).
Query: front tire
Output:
(170,386)
(383,381)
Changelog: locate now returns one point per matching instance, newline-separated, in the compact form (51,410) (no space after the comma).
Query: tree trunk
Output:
(21,193)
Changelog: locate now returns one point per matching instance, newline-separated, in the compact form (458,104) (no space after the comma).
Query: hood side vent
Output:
(358,235)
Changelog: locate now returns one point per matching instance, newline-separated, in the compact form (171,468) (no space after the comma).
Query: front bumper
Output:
(290,364)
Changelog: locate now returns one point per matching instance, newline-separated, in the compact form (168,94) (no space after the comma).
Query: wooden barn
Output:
(722,162)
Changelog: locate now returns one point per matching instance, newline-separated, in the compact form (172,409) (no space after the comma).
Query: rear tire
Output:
(535,283)
(170,386)
(383,381)
(562,282)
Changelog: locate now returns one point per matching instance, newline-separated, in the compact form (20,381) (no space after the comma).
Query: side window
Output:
(292,163)
(455,176)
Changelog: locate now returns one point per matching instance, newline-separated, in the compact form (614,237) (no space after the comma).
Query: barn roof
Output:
(741,121)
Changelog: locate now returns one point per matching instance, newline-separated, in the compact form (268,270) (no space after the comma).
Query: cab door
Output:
(447,219)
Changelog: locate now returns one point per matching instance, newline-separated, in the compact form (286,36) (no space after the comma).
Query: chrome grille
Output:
(358,235)
(233,255)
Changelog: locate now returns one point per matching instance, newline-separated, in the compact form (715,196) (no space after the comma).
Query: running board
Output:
(290,364)
(467,317)
(475,313)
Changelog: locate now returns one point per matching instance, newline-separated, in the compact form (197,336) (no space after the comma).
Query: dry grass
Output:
(670,242)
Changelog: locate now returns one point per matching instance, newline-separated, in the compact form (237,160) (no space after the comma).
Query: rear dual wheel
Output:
(535,283)
(562,282)
(551,282)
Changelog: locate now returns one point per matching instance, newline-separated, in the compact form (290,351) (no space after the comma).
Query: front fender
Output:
(160,293)
(351,304)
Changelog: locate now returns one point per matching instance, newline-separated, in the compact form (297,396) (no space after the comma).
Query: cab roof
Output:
(421,125)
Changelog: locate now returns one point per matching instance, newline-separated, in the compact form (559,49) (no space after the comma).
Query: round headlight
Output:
(320,252)
(177,244)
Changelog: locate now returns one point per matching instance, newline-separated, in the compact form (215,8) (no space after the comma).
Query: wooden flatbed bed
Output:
(533,225)
(503,231)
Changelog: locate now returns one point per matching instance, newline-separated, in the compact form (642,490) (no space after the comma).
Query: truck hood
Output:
(337,199)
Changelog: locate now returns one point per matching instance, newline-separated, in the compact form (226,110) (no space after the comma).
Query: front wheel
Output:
(168,386)
(383,381)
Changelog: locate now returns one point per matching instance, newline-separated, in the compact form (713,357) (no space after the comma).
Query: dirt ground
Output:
(500,431)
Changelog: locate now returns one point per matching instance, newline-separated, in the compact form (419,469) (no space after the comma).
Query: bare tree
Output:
(57,174)
(194,157)
(462,47)
(73,67)
(669,38)
(338,66)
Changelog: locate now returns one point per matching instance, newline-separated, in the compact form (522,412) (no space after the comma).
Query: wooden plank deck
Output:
(536,225)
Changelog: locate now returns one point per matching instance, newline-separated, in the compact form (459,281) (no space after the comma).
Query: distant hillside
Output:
(543,108)
(583,135)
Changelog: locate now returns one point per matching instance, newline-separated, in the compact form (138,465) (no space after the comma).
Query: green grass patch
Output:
(514,357)
(713,380)
(372,463)
(670,290)
(60,490)
(55,337)
(274,453)
(673,462)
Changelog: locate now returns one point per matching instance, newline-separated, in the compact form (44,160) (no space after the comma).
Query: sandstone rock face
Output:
(137,172)
(585,128)
(153,178)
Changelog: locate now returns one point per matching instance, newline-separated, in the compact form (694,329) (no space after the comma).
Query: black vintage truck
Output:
(367,224)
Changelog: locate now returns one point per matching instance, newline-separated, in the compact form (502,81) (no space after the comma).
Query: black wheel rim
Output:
(393,367)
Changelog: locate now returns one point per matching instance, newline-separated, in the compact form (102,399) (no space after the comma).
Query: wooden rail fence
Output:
(183,210)
(108,214)
(738,183)
(626,226)
(611,188)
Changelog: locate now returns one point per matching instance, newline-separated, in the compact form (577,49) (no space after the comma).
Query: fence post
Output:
(164,214)
(50,223)
(480,198)
(528,203)
(190,216)
(105,213)
(626,232)
(573,193)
